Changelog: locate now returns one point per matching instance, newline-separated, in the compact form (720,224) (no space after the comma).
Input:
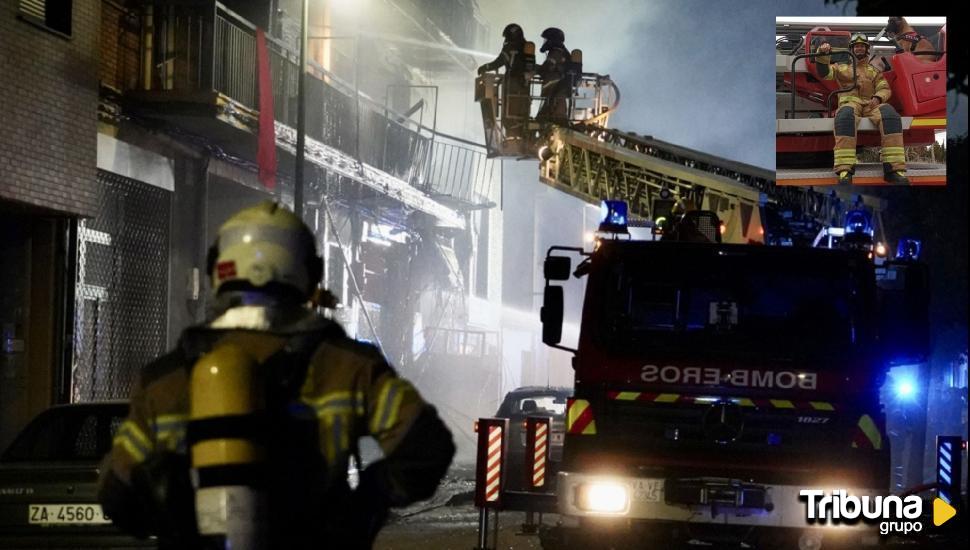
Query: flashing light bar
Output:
(858,222)
(908,249)
(613,216)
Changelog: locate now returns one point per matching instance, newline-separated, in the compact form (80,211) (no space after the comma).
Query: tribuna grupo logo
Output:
(893,514)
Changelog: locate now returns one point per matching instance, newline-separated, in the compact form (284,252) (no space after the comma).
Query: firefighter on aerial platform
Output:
(242,435)
(868,98)
(556,84)
(516,61)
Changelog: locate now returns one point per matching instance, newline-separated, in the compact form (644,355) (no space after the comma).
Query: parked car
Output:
(48,480)
(520,404)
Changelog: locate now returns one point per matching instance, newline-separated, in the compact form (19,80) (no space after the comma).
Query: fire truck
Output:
(715,381)
(806,104)
(723,362)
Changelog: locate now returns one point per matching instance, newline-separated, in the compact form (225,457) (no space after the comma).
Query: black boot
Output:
(845,177)
(894,177)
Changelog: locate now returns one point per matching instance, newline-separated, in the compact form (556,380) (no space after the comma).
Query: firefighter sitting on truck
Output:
(242,435)
(868,98)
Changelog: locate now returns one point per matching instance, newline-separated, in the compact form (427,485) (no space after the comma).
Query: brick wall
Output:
(48,109)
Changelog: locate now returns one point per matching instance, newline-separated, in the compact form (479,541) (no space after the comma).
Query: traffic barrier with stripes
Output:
(491,454)
(537,447)
(949,468)
(707,400)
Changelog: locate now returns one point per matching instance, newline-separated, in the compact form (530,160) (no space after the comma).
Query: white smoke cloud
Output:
(699,74)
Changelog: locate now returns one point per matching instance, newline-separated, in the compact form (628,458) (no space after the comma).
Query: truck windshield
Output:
(734,306)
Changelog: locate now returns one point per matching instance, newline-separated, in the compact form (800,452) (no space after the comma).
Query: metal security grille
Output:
(121,304)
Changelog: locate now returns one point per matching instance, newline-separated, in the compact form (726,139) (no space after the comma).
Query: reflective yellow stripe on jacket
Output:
(169,430)
(336,412)
(388,404)
(133,440)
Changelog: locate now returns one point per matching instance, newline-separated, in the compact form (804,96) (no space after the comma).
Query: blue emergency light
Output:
(905,388)
(613,216)
(908,249)
(903,382)
(858,222)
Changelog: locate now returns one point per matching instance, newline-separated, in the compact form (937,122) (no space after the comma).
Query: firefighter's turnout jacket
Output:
(855,103)
(556,86)
(324,391)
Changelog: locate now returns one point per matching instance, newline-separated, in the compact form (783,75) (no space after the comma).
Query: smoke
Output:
(698,74)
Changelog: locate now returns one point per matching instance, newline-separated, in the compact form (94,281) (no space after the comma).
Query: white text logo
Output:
(894,514)
(712,376)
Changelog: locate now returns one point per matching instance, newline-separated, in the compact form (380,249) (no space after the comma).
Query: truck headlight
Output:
(605,497)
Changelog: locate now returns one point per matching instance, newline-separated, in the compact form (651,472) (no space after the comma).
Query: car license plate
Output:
(648,490)
(66,514)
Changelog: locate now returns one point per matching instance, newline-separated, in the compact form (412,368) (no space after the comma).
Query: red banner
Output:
(266,152)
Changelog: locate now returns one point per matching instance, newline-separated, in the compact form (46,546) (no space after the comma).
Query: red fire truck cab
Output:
(713,382)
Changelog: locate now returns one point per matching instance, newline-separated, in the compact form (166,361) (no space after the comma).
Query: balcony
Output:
(191,69)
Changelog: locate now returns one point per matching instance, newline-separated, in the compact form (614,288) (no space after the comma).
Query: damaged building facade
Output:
(161,108)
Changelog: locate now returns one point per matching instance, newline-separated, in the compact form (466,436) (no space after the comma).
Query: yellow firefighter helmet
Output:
(859,38)
(262,247)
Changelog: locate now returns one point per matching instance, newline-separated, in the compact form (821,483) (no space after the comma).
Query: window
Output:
(548,404)
(733,305)
(55,15)
(68,433)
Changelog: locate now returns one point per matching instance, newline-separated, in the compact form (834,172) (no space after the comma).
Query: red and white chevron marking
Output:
(539,458)
(493,464)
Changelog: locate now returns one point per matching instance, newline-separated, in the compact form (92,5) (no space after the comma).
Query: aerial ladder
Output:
(579,155)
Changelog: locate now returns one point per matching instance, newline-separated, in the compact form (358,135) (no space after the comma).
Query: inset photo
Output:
(860,100)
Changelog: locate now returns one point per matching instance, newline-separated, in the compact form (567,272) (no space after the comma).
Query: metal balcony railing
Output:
(207,47)
(470,343)
(234,59)
(460,169)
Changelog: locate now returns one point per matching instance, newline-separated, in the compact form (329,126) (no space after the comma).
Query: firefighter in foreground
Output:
(867,99)
(242,435)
